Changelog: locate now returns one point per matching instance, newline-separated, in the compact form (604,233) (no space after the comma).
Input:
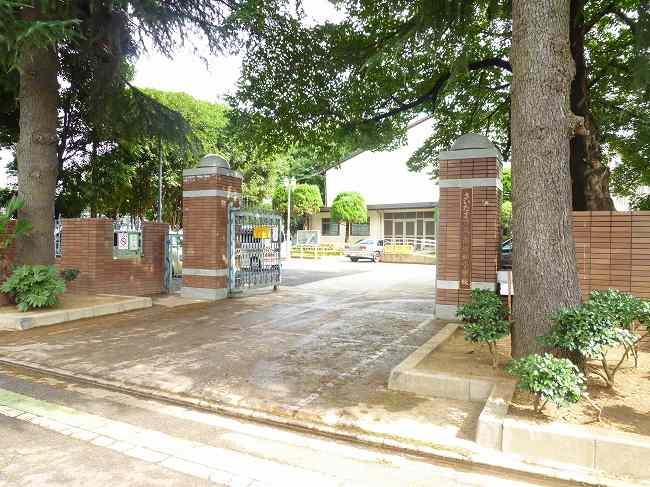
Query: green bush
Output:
(36,286)
(69,274)
(21,226)
(625,311)
(590,332)
(548,378)
(485,317)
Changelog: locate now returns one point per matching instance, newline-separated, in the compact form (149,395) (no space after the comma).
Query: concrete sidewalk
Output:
(319,353)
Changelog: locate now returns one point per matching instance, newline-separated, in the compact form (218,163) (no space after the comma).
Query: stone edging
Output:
(551,445)
(558,443)
(406,378)
(24,321)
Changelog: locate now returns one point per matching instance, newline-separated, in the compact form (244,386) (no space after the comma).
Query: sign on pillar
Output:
(469,232)
(207,190)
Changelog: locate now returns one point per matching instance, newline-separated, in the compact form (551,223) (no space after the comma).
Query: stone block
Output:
(558,443)
(623,455)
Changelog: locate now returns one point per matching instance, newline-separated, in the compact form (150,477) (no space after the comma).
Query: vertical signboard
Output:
(466,238)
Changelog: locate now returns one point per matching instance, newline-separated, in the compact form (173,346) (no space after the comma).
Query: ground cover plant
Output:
(485,320)
(35,286)
(548,378)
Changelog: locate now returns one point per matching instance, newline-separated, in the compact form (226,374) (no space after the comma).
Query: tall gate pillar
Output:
(469,232)
(207,190)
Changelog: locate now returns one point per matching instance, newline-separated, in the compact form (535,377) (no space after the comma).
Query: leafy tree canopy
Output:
(305,200)
(358,84)
(349,207)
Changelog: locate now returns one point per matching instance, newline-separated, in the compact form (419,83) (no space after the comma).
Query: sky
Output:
(189,73)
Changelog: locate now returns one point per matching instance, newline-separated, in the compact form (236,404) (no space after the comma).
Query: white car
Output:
(367,248)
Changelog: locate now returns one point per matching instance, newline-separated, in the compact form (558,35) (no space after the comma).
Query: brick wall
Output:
(613,251)
(87,245)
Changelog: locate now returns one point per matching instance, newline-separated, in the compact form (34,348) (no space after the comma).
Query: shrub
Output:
(586,330)
(36,286)
(485,320)
(22,226)
(625,311)
(69,274)
(548,378)
(7,235)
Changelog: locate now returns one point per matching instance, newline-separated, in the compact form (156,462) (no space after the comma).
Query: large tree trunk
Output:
(590,178)
(37,153)
(544,266)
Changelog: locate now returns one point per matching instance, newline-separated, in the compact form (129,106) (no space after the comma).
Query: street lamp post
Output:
(289,183)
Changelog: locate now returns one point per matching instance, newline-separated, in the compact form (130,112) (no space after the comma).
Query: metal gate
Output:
(255,241)
(173,260)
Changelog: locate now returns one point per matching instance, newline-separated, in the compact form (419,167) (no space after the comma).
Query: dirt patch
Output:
(459,357)
(626,407)
(69,301)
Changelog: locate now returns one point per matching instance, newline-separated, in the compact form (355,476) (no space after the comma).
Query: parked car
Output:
(506,254)
(367,248)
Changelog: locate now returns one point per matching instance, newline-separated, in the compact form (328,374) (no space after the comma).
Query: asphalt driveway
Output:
(321,347)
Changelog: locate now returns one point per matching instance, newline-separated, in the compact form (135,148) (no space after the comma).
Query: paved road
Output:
(68,434)
(296,272)
(318,352)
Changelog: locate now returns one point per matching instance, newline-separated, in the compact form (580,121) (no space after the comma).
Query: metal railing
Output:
(419,244)
(58,237)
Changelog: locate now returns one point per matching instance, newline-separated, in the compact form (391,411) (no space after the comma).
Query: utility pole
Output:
(289,183)
(160,181)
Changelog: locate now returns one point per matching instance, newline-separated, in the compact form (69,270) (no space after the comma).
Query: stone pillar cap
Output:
(213,160)
(471,146)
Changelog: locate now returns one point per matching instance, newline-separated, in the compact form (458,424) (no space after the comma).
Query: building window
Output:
(360,229)
(329,228)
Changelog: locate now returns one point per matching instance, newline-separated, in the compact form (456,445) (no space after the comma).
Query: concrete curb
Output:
(616,453)
(406,378)
(33,319)
(489,431)
(496,461)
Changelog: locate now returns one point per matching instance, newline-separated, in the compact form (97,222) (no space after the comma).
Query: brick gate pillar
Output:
(207,190)
(469,232)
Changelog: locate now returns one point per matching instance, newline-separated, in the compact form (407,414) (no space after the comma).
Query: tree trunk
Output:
(37,153)
(590,178)
(544,266)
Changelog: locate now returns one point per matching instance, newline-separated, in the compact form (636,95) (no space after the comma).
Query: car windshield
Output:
(364,242)
(506,246)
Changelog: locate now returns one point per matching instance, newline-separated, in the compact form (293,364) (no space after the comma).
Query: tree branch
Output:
(433,93)
(606,10)
(611,8)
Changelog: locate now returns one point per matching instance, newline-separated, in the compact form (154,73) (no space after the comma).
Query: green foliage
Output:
(506,217)
(70,274)
(622,309)
(359,83)
(485,317)
(506,180)
(7,236)
(349,207)
(36,286)
(305,200)
(590,330)
(548,378)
